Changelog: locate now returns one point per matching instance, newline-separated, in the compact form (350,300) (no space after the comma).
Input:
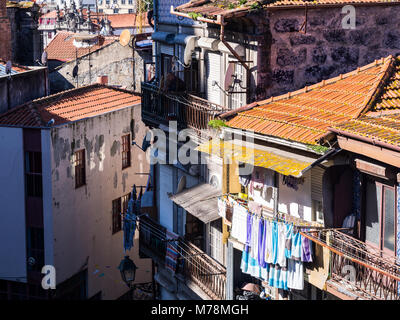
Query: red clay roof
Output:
(227,8)
(70,105)
(15,67)
(62,47)
(305,115)
(384,128)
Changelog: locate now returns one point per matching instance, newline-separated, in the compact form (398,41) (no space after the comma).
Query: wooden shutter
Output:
(316,183)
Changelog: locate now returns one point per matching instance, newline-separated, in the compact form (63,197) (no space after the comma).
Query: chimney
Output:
(102,80)
(5,33)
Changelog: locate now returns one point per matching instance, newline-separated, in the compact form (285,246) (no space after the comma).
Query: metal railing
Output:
(158,107)
(205,272)
(376,274)
(194,264)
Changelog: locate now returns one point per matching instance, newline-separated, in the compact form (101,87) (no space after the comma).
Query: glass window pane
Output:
(389,222)
(372,213)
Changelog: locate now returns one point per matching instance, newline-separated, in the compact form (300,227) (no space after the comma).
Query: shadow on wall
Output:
(58,83)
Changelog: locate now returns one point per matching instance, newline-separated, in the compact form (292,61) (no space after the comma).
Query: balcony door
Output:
(380,219)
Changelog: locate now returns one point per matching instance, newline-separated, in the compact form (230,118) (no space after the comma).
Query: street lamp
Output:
(128,270)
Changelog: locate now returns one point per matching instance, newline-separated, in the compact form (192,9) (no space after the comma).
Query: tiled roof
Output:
(212,8)
(384,128)
(14,69)
(70,105)
(62,46)
(305,115)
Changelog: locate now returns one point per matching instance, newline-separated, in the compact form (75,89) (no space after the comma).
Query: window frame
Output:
(116,215)
(126,151)
(34,171)
(80,168)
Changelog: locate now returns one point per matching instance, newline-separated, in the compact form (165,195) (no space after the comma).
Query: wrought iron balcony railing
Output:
(158,107)
(194,264)
(373,274)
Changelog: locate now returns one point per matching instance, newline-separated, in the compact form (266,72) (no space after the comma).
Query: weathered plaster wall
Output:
(294,59)
(83,216)
(23,87)
(114,61)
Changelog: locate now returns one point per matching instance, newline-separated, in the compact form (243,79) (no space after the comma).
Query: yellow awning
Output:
(288,166)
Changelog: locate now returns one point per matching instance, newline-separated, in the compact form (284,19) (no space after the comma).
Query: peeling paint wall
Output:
(114,61)
(83,216)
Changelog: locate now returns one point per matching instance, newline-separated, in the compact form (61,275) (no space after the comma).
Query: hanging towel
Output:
(274,242)
(278,277)
(245,254)
(172,252)
(281,260)
(288,242)
(254,269)
(261,243)
(268,242)
(239,223)
(296,245)
(295,276)
(305,250)
(222,208)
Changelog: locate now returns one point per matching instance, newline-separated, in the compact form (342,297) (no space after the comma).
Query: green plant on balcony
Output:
(216,124)
(318,148)
(194,15)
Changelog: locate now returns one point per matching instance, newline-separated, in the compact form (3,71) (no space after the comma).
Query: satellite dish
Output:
(44,58)
(214,181)
(181,184)
(125,37)
(8,67)
(229,76)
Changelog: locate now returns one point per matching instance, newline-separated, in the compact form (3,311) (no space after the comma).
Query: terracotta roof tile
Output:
(62,47)
(14,69)
(305,115)
(70,105)
(384,128)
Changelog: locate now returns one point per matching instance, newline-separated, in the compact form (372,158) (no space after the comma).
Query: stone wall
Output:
(5,33)
(292,60)
(113,61)
(23,87)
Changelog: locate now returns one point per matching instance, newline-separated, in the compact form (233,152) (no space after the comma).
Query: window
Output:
(122,1)
(192,77)
(130,1)
(215,238)
(116,216)
(125,201)
(100,10)
(80,171)
(380,216)
(116,10)
(33,174)
(126,151)
(130,10)
(237,97)
(50,35)
(107,1)
(115,1)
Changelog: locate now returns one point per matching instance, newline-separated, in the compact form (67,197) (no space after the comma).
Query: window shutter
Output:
(213,73)
(169,50)
(316,183)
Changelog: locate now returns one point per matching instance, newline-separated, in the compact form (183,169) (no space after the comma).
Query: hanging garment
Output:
(295,275)
(255,207)
(261,243)
(274,242)
(278,277)
(239,223)
(281,259)
(268,242)
(245,255)
(222,208)
(256,182)
(244,180)
(305,250)
(254,269)
(172,253)
(130,217)
(296,245)
(288,242)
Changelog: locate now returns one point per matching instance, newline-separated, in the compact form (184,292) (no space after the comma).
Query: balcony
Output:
(189,111)
(194,266)
(376,276)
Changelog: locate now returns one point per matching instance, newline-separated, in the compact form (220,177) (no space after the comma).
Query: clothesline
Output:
(280,216)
